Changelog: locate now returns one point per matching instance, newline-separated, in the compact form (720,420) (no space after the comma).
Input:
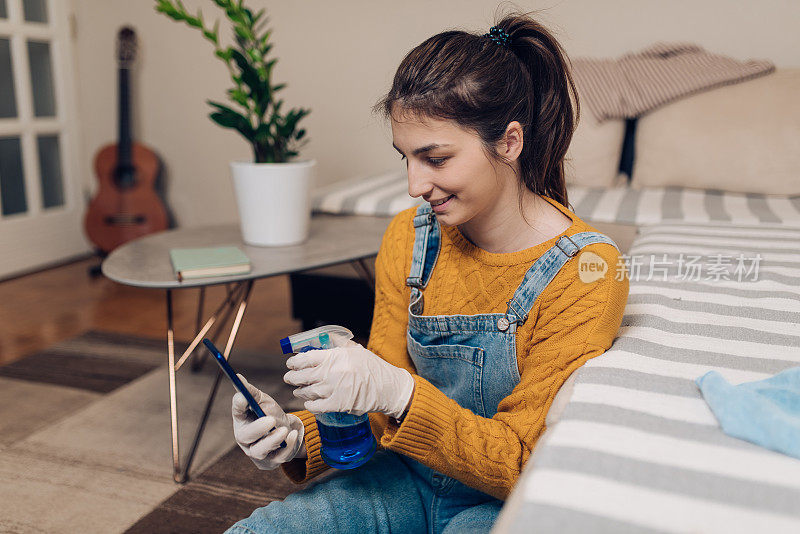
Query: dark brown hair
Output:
(483,86)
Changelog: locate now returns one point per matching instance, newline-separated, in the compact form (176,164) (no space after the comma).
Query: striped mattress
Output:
(387,195)
(636,448)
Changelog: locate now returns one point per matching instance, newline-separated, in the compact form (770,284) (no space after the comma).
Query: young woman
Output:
(485,303)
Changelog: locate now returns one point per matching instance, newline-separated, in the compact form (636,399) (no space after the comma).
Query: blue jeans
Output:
(387,494)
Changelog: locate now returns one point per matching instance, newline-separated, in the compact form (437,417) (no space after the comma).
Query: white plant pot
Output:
(274,201)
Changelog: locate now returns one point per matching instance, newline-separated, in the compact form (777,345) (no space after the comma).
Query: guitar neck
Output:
(125,141)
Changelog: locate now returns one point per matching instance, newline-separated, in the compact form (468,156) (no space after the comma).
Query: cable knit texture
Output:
(571,322)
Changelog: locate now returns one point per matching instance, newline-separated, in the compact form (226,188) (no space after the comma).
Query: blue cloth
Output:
(765,412)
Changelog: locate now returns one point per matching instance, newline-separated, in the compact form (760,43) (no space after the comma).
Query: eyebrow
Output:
(421,149)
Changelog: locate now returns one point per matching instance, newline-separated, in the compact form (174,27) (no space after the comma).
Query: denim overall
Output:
(473,360)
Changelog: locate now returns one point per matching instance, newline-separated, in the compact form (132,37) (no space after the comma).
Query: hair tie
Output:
(499,36)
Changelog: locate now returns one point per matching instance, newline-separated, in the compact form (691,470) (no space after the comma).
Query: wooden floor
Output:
(40,309)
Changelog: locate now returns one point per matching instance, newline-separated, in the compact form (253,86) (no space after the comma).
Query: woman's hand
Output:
(261,438)
(349,379)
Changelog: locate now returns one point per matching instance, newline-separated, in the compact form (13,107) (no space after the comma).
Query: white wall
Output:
(338,58)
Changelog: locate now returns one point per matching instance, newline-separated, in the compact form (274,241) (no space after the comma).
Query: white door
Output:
(41,208)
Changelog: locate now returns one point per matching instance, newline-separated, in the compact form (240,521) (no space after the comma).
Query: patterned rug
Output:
(85,441)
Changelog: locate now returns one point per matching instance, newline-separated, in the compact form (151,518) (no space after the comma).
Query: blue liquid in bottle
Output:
(347,439)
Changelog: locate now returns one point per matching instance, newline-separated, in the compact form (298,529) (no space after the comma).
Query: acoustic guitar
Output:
(126,205)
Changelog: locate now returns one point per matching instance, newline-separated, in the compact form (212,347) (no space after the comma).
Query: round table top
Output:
(145,262)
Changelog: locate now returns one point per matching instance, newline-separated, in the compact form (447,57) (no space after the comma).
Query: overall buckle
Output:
(574,252)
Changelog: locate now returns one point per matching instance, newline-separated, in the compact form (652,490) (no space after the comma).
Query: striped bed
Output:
(387,195)
(636,448)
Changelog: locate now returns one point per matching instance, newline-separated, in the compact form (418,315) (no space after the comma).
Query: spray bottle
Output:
(347,439)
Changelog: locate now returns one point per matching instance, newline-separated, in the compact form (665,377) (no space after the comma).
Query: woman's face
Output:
(444,159)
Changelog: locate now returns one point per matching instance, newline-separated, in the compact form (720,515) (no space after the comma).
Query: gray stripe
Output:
(628,207)
(545,518)
(628,379)
(588,203)
(699,357)
(345,185)
(758,205)
(704,288)
(717,309)
(748,275)
(727,333)
(349,202)
(718,229)
(652,424)
(748,494)
(710,244)
(672,203)
(714,206)
(677,238)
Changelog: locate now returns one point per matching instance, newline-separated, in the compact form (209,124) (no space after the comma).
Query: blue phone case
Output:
(223,363)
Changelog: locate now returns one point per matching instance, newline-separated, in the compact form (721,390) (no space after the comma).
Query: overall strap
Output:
(427,238)
(542,273)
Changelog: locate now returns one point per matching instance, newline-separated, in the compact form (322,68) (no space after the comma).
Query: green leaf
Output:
(241,32)
(233,120)
(249,76)
(238,96)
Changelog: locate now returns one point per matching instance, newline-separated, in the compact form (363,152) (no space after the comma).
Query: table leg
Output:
(361,268)
(197,361)
(232,296)
(173,401)
(242,292)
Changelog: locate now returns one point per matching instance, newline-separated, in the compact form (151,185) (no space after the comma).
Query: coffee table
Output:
(145,262)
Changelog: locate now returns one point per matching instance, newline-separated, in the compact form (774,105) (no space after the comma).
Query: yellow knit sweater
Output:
(572,321)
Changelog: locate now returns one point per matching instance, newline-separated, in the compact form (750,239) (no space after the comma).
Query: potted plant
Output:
(272,194)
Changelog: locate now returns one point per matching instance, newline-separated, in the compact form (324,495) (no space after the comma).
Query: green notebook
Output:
(208,261)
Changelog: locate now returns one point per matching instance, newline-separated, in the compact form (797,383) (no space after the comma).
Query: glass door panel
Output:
(50,171)
(8,105)
(12,179)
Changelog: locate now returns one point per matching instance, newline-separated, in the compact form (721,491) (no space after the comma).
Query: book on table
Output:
(208,262)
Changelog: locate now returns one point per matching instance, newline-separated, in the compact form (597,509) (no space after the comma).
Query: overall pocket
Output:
(455,370)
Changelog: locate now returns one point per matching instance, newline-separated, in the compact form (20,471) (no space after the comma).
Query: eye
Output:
(437,162)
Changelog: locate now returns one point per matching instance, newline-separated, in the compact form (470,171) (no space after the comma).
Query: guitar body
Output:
(126,205)
(118,214)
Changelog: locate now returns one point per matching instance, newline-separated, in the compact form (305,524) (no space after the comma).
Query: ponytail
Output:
(483,86)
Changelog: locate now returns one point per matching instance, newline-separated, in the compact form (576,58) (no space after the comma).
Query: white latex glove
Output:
(261,438)
(350,379)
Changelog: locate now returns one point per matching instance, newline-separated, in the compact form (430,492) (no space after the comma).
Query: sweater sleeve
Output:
(576,321)
(387,339)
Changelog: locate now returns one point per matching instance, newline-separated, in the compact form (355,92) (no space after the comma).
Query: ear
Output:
(510,146)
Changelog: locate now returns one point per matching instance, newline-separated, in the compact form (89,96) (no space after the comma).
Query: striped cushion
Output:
(387,195)
(637,449)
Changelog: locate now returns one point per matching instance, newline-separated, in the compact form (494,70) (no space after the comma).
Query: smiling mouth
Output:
(439,203)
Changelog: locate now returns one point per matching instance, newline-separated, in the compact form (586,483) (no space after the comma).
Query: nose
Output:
(418,183)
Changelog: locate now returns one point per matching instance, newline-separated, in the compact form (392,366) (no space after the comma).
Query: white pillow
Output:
(743,137)
(593,155)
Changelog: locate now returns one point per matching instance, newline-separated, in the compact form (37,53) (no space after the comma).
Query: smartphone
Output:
(223,363)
